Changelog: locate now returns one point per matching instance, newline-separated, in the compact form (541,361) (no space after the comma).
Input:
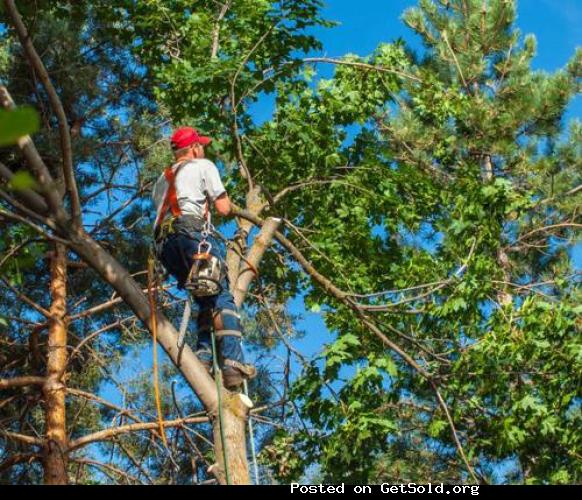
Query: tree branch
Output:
(37,165)
(361,65)
(11,383)
(253,259)
(116,431)
(56,104)
(26,299)
(33,199)
(22,438)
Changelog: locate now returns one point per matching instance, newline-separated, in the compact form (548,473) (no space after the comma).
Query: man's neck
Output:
(188,158)
(185,158)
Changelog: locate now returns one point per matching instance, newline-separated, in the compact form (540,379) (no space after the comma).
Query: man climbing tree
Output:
(188,251)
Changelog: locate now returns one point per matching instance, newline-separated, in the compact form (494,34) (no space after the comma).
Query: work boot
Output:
(234,373)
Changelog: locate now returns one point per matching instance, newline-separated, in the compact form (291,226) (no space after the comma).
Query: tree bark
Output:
(253,259)
(55,446)
(233,258)
(235,412)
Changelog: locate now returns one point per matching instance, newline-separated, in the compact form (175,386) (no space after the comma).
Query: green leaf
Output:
(17,123)
(22,180)
(315,308)
(435,427)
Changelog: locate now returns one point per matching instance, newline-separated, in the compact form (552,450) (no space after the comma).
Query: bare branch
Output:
(33,199)
(253,258)
(216,29)
(107,434)
(56,104)
(11,383)
(40,170)
(22,438)
(26,299)
(355,64)
(19,458)
(37,228)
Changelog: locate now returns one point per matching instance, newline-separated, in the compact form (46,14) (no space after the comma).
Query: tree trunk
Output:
(235,411)
(55,448)
(233,258)
(252,260)
(235,407)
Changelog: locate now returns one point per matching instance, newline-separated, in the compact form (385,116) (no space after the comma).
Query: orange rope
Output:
(253,269)
(154,327)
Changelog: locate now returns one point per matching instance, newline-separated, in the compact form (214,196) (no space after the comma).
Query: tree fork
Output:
(54,390)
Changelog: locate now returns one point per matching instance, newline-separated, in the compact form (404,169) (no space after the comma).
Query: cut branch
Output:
(253,259)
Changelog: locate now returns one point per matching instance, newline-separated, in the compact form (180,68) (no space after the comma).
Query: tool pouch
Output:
(205,275)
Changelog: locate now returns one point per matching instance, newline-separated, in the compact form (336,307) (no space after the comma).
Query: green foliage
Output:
(438,192)
(17,123)
(22,180)
(470,170)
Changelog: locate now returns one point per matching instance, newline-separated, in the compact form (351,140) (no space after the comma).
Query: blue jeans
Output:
(176,256)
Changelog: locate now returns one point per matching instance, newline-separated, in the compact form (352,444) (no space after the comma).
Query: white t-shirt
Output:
(196,181)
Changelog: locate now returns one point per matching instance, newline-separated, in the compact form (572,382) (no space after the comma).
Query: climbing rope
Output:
(152,285)
(218,380)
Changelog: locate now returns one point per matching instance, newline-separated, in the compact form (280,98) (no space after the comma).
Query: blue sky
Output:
(557,26)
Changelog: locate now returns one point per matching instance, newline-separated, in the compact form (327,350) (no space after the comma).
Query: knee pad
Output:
(229,323)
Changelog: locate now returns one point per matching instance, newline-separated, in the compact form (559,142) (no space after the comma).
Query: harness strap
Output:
(171,195)
(201,256)
(170,198)
(229,312)
(227,333)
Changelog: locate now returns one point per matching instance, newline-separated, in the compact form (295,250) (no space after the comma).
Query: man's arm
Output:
(222,204)
(215,189)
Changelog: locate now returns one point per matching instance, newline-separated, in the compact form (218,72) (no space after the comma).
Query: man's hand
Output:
(222,205)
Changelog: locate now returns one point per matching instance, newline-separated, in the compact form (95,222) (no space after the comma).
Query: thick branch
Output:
(55,102)
(37,166)
(33,200)
(124,429)
(12,383)
(253,258)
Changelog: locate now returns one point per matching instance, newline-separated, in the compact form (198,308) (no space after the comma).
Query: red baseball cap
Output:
(186,136)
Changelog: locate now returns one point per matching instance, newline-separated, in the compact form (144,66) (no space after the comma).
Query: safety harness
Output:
(205,274)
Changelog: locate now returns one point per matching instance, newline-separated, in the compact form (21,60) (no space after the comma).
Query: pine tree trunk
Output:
(235,411)
(55,449)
